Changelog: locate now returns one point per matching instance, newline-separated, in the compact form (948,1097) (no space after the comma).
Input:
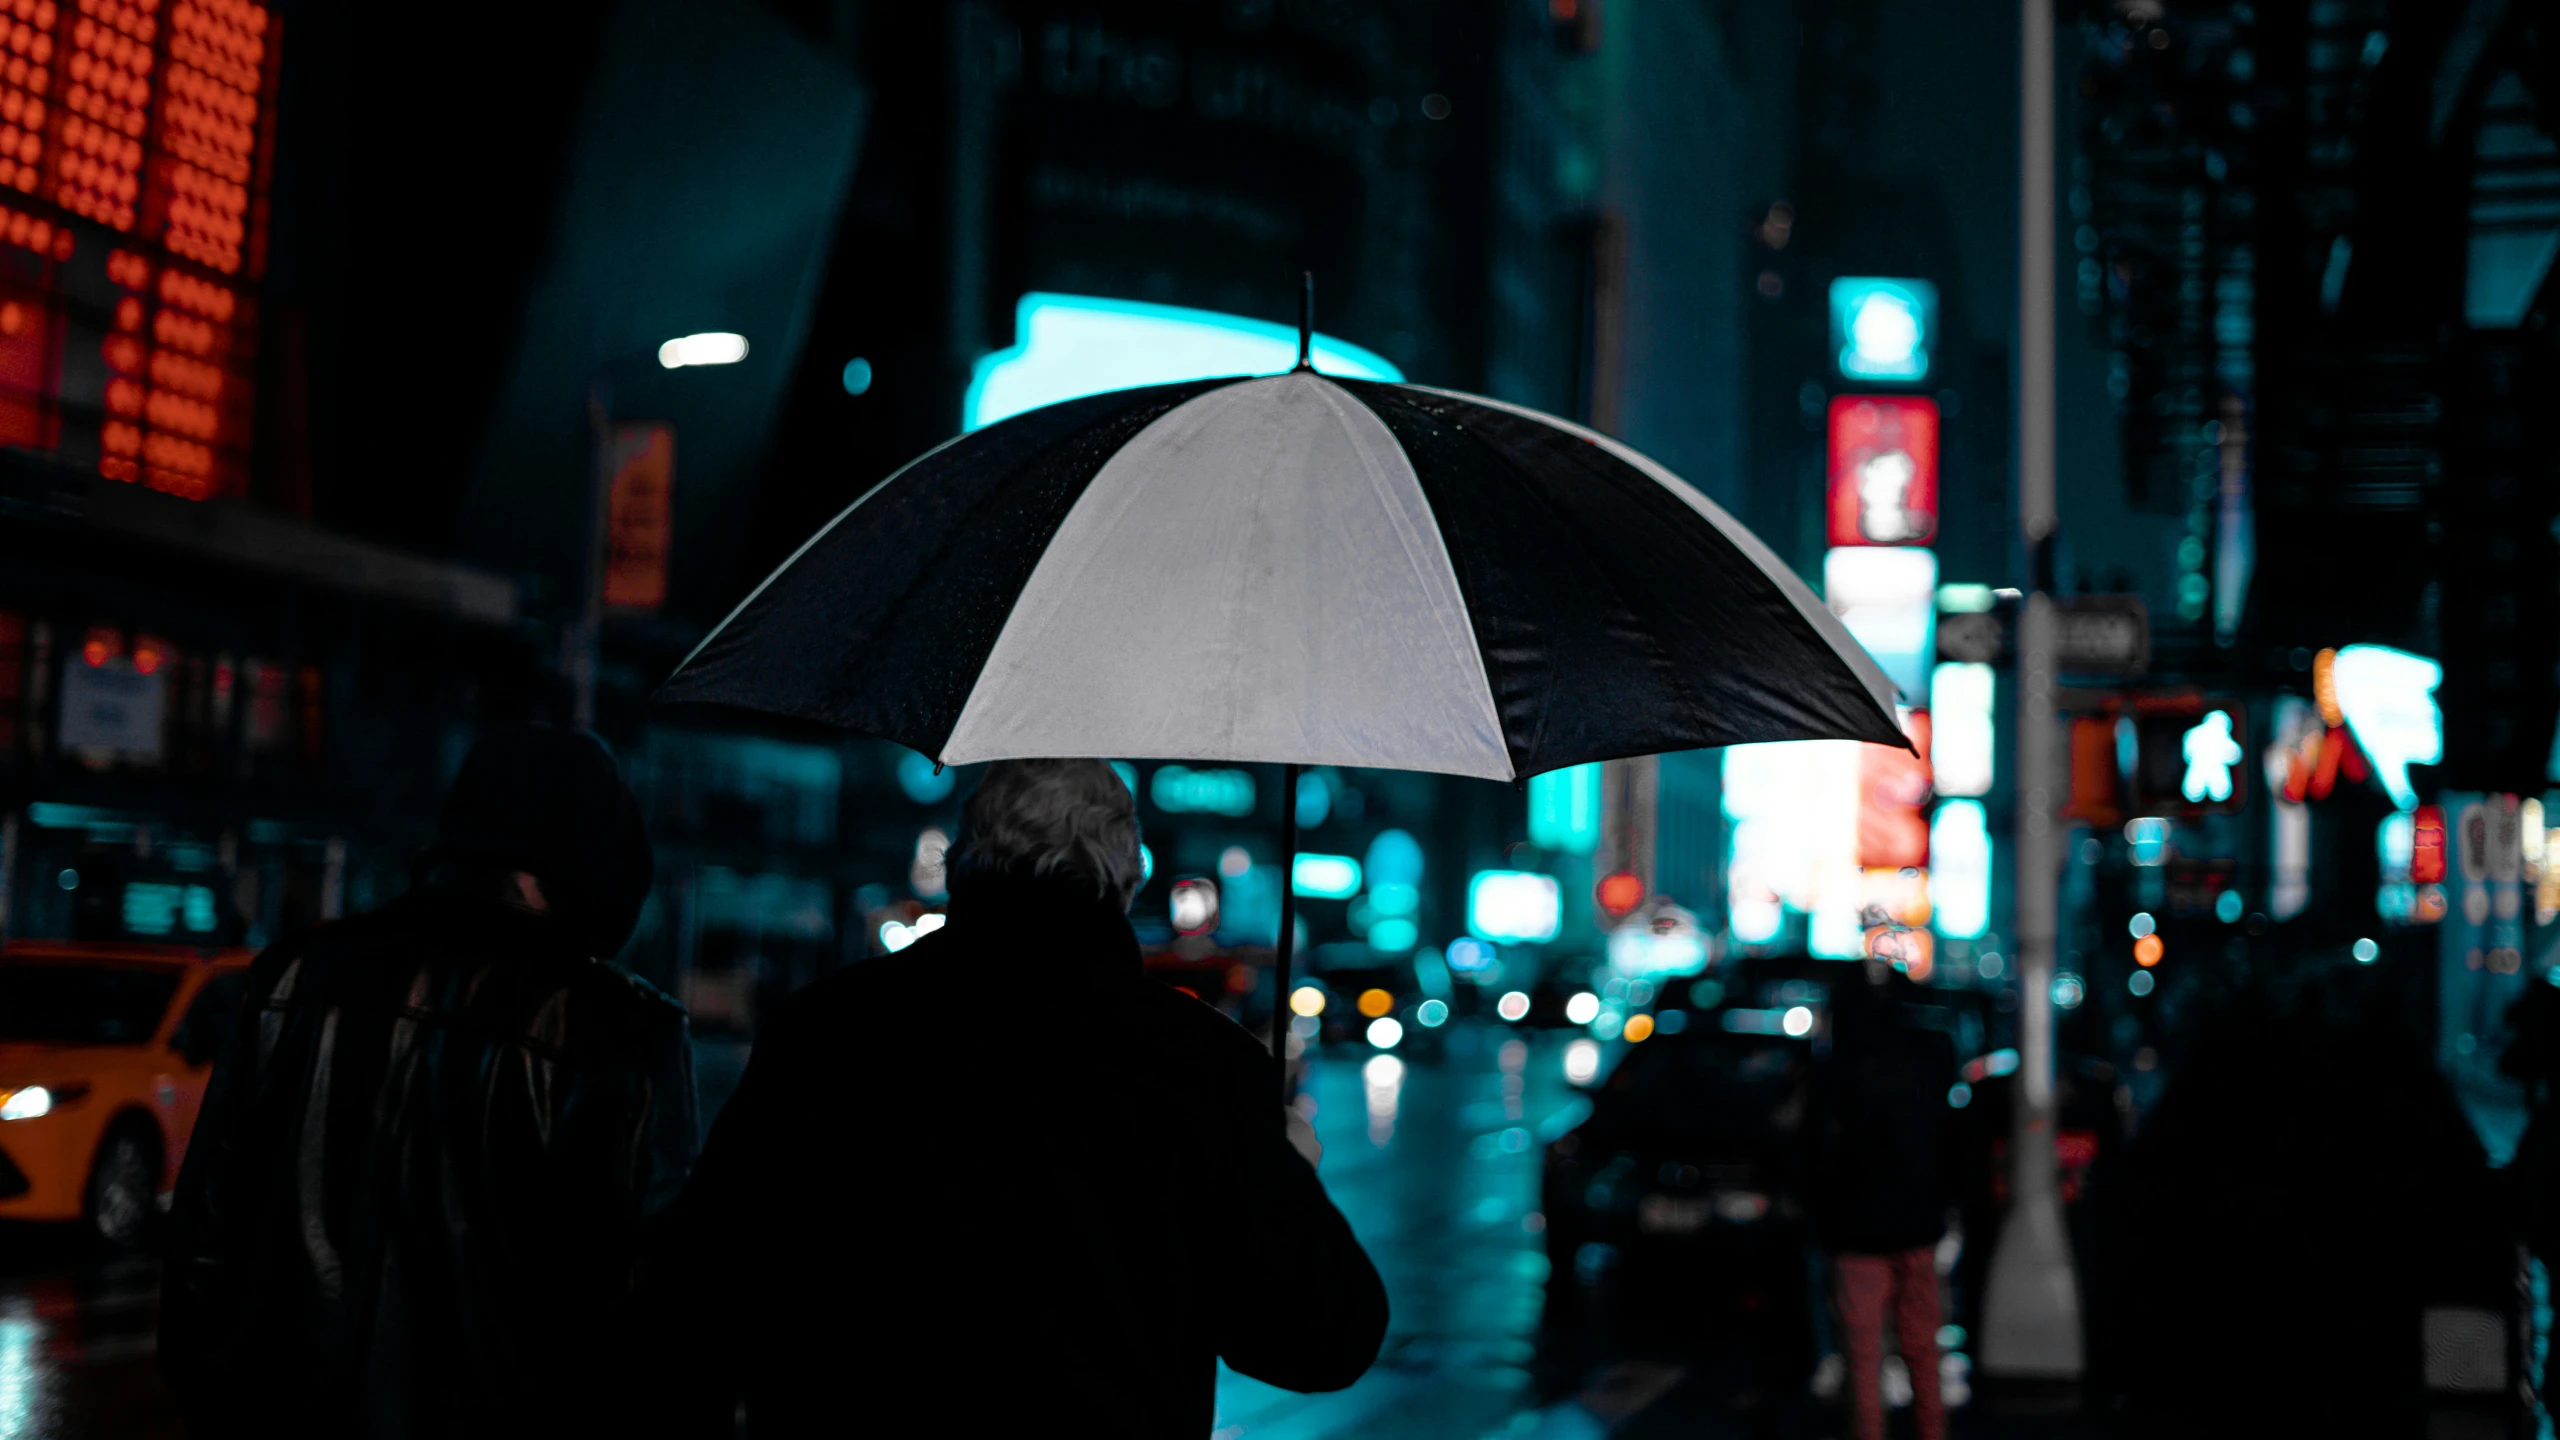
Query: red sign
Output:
(2096,793)
(2426,846)
(1884,470)
(135,145)
(639,516)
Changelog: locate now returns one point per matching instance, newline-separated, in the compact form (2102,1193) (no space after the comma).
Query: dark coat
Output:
(1005,1180)
(415,1198)
(1879,1173)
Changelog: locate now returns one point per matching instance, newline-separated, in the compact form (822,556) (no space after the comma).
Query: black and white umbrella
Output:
(1294,569)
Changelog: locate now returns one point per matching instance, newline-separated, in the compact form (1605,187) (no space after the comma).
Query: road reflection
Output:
(1433,1153)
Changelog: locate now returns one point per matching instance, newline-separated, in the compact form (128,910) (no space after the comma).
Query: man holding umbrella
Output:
(1287,570)
(918,1202)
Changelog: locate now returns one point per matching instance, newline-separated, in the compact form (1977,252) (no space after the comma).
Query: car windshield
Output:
(83,1004)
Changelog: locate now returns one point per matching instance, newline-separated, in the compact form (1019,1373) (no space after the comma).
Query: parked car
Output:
(1670,1225)
(105,1050)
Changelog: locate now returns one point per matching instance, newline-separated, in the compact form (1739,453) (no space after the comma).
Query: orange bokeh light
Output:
(2147,951)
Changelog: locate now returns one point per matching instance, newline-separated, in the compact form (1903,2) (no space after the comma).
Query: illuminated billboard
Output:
(1884,470)
(1887,598)
(1067,346)
(134,146)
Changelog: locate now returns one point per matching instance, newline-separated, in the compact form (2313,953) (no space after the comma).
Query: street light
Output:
(579,652)
(711,347)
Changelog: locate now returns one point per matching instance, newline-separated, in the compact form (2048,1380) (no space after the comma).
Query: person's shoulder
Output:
(864,994)
(316,955)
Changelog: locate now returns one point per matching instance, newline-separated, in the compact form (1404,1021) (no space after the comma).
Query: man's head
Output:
(550,803)
(1053,817)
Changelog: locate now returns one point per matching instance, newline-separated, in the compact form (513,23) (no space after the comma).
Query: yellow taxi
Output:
(104,1054)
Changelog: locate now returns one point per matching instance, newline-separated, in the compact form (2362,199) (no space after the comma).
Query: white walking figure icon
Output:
(2210,752)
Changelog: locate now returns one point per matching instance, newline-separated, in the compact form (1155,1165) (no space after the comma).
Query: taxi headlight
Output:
(27,1103)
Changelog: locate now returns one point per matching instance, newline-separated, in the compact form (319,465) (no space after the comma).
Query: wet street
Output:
(1433,1152)
(1435,1160)
(1434,1156)
(76,1343)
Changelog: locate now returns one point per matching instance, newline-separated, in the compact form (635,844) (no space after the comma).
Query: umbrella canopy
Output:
(1293,569)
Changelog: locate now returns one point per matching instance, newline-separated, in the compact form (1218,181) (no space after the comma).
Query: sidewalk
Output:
(1646,1401)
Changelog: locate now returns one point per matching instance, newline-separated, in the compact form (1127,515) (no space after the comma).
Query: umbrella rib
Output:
(1826,626)
(805,547)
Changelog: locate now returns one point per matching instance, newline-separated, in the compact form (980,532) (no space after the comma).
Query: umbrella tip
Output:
(1306,319)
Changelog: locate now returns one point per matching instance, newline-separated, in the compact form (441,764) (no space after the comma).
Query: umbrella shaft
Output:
(1288,937)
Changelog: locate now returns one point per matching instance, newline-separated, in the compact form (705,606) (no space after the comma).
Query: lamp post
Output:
(2031,1308)
(580,658)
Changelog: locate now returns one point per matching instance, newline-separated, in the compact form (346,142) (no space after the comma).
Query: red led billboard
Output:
(1884,470)
(133,155)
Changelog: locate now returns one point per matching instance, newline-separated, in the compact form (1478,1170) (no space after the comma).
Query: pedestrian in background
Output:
(2532,1058)
(416,1196)
(1004,1179)
(1878,1185)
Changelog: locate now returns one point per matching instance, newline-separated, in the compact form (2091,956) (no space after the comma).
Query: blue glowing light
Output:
(1071,345)
(1181,790)
(1391,898)
(1431,1014)
(1393,937)
(1882,329)
(1394,858)
(1315,799)
(1514,906)
(1564,810)
(1325,877)
(199,914)
(1467,955)
(151,908)
(2147,838)
(1146,864)
(1960,870)
(924,781)
(857,375)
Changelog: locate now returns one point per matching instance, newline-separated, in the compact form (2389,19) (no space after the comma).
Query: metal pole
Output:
(1306,319)
(2031,1311)
(1288,937)
(583,656)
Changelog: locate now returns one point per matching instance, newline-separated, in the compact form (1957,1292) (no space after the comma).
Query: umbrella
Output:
(1293,569)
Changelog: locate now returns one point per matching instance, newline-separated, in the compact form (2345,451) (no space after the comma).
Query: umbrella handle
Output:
(1288,937)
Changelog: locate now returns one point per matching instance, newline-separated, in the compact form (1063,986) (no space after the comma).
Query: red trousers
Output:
(1863,1287)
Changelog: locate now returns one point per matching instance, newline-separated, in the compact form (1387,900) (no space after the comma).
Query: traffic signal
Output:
(2188,756)
(1882,329)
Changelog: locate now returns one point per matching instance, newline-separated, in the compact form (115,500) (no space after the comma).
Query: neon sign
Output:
(1071,345)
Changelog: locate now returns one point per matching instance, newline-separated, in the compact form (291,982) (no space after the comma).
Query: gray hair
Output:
(1053,816)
